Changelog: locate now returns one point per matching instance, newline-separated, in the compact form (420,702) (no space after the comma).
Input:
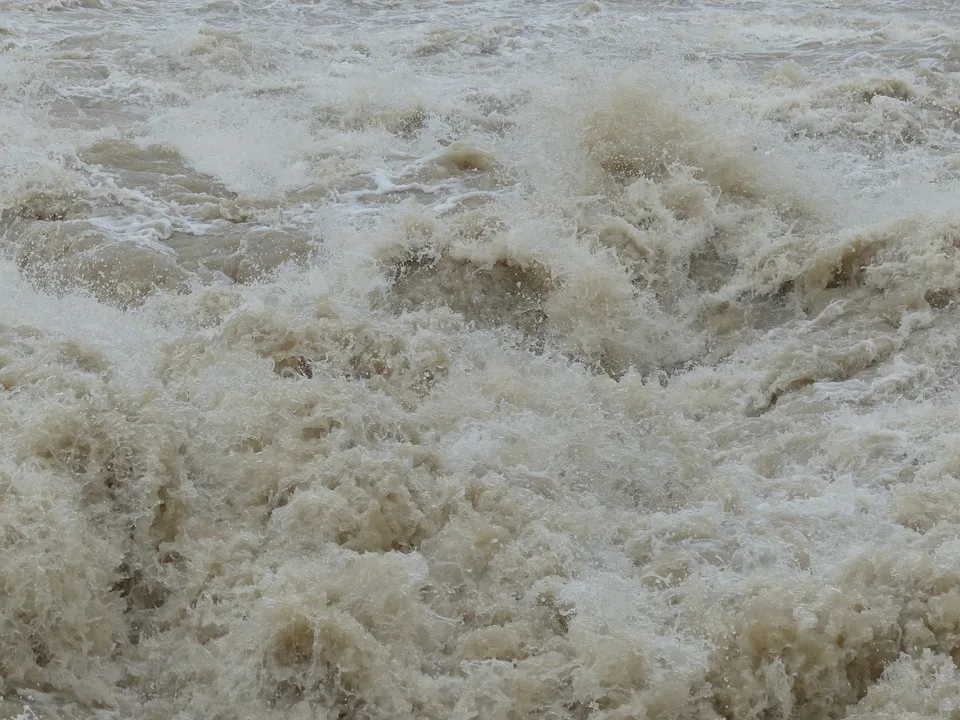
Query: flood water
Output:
(383,359)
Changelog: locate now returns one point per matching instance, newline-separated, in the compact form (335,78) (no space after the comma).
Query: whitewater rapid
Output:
(387,359)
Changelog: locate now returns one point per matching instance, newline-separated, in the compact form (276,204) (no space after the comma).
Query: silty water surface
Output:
(479,359)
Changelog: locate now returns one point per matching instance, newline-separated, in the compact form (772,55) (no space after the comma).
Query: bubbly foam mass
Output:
(490,360)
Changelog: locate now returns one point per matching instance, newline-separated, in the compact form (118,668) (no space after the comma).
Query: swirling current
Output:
(384,359)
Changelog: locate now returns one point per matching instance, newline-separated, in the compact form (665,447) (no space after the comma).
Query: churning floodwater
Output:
(384,359)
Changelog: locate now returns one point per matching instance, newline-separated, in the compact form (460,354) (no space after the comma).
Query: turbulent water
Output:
(376,359)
